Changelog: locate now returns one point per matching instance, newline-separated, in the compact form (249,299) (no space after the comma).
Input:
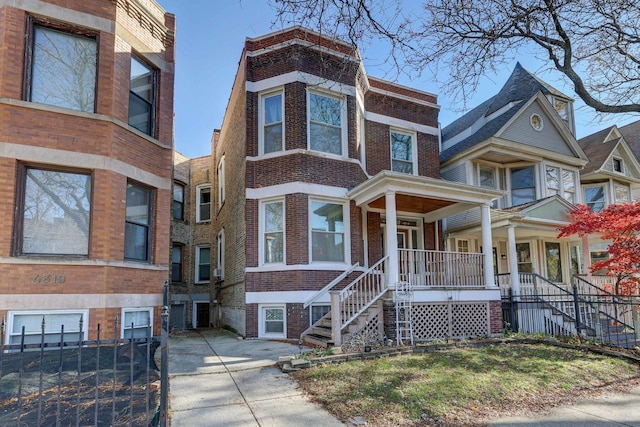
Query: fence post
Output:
(598,324)
(512,312)
(636,323)
(576,306)
(164,362)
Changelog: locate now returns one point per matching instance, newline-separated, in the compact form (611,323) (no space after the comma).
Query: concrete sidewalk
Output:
(606,411)
(216,379)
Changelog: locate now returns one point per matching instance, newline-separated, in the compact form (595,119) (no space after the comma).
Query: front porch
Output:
(437,294)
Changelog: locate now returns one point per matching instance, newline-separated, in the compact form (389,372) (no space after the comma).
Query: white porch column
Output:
(391,231)
(513,260)
(487,246)
(586,254)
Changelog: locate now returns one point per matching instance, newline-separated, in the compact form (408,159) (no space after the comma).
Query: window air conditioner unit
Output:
(217,273)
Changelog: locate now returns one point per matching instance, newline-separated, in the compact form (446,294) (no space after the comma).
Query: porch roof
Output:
(420,194)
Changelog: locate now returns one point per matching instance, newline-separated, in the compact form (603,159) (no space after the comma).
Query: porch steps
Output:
(320,335)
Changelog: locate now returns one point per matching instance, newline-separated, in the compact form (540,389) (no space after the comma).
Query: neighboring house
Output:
(86,140)
(191,243)
(611,176)
(520,141)
(631,134)
(326,177)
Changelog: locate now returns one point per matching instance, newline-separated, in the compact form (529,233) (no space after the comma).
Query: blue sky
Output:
(209,39)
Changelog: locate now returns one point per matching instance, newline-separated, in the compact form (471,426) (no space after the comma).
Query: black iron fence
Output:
(53,378)
(582,309)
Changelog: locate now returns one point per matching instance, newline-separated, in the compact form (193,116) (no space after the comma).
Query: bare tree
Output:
(594,43)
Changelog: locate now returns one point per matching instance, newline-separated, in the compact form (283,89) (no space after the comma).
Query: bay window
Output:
(137,233)
(142,96)
(273,232)
(561,182)
(594,197)
(523,188)
(271,122)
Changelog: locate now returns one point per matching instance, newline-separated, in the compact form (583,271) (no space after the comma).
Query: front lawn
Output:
(464,386)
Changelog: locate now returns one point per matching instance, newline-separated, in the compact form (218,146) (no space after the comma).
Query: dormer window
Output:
(562,108)
(618,165)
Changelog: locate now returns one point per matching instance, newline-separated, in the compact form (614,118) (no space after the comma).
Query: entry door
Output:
(202,315)
(408,268)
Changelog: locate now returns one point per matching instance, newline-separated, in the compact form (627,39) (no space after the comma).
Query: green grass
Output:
(460,383)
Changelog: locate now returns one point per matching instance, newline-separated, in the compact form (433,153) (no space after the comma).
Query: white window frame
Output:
(124,329)
(561,191)
(261,321)
(343,121)
(199,204)
(620,160)
(262,250)
(615,193)
(325,306)
(261,119)
(463,242)
(196,273)
(414,149)
(40,313)
(604,193)
(220,255)
(222,193)
(509,174)
(346,234)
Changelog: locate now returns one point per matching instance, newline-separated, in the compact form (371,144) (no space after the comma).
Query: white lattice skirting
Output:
(450,320)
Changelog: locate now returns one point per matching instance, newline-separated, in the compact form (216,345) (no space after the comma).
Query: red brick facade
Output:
(99,143)
(298,63)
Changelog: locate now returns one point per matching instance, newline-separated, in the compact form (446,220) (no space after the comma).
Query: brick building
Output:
(86,140)
(328,197)
(191,243)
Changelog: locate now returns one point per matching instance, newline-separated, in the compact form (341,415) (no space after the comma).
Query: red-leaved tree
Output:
(620,224)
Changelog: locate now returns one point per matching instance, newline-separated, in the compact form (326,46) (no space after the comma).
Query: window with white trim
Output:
(462,245)
(221,182)
(594,197)
(272,215)
(273,321)
(203,264)
(621,193)
(326,119)
(32,322)
(220,255)
(137,322)
(561,182)
(327,231)
(271,122)
(403,149)
(63,68)
(56,212)
(618,165)
(523,187)
(203,198)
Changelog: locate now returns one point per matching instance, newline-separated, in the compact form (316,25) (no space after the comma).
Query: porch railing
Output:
(441,269)
(353,300)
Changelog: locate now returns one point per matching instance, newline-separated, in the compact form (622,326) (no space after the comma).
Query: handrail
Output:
(355,308)
(330,285)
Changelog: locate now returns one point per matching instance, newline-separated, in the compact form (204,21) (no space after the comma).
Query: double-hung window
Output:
(402,152)
(178,201)
(271,117)
(63,69)
(327,231)
(56,212)
(142,96)
(618,165)
(594,197)
(137,233)
(136,322)
(326,120)
(52,322)
(523,188)
(561,182)
(176,263)
(273,232)
(203,264)
(203,212)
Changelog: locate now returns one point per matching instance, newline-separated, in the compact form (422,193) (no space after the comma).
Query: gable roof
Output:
(520,87)
(631,134)
(597,149)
